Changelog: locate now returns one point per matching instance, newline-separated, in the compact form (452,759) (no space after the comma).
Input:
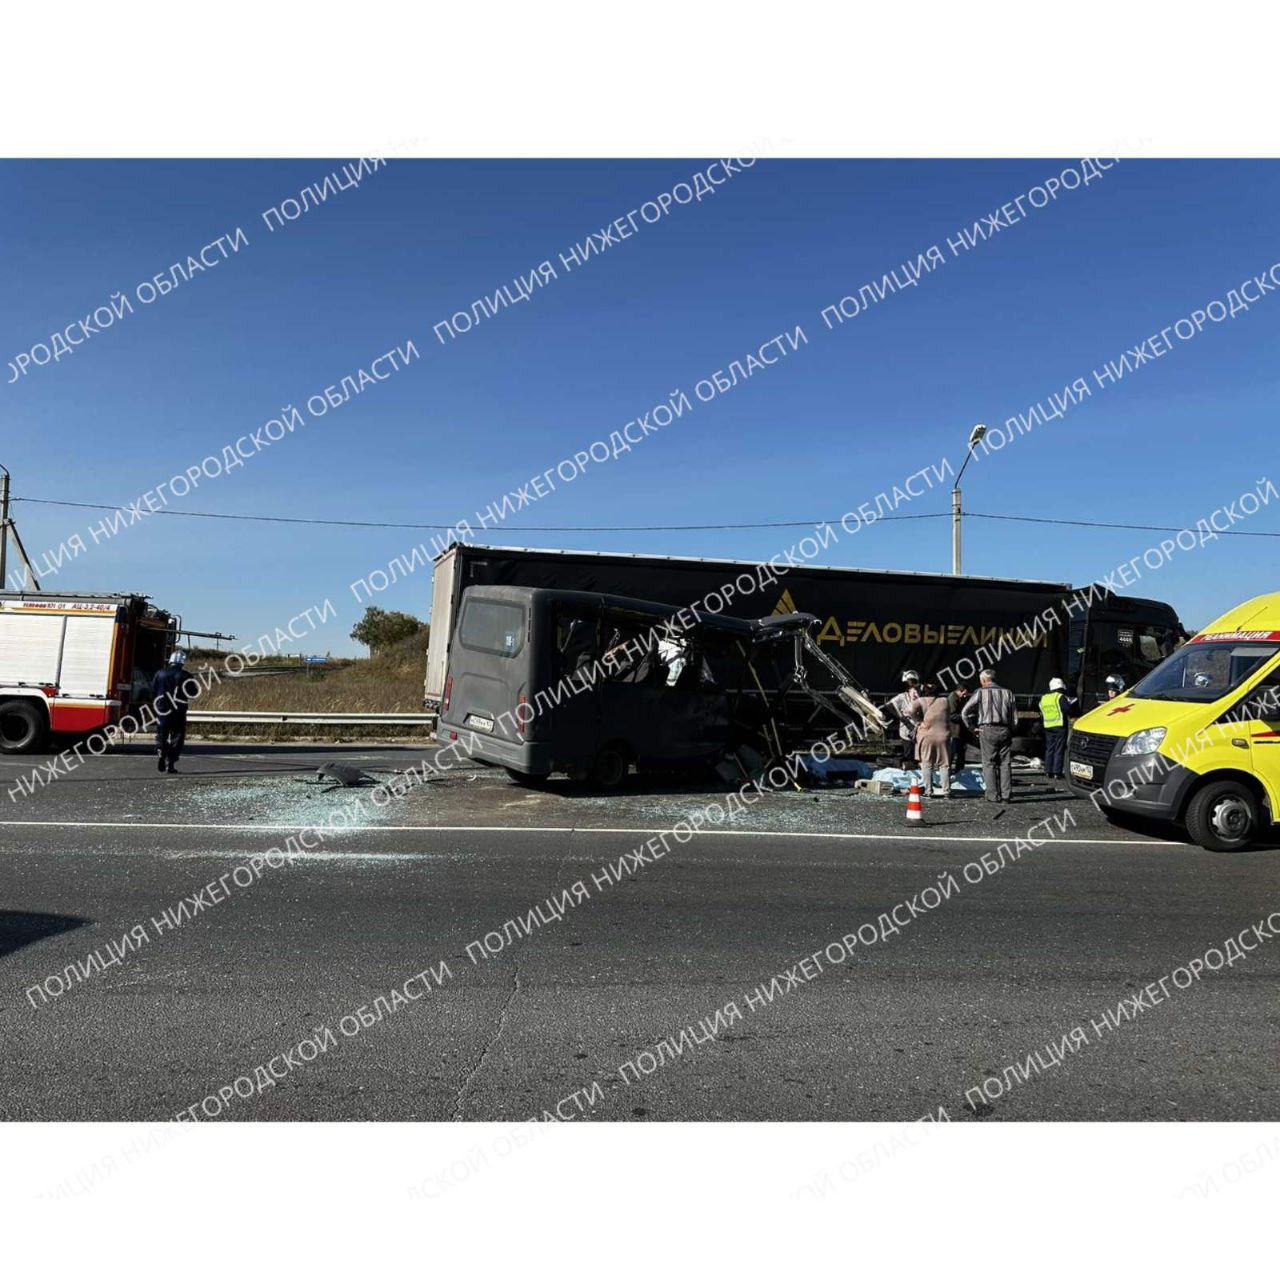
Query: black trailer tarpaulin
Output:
(875,623)
(881,628)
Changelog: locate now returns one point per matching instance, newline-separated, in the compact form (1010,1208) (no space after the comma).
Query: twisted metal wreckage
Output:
(786,719)
(759,675)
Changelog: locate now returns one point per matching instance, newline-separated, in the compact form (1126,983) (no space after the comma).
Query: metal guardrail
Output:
(311,717)
(251,673)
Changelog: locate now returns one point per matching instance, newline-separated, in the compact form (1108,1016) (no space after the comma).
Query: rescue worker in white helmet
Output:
(902,707)
(1055,708)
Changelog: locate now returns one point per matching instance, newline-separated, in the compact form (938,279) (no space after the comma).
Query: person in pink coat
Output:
(933,738)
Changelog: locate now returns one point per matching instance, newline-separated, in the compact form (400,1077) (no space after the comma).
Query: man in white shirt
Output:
(902,707)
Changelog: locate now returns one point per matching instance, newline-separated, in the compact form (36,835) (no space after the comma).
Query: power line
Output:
(1146,528)
(651,528)
(526,528)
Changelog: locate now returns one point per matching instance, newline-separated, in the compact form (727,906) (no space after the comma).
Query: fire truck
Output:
(72,663)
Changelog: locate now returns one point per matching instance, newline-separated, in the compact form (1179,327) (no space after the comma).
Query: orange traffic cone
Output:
(915,807)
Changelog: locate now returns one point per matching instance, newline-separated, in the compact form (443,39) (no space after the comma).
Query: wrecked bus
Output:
(874,623)
(542,681)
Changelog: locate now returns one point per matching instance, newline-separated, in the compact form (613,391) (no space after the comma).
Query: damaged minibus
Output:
(542,681)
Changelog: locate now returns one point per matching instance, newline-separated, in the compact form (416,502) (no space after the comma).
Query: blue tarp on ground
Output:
(967,781)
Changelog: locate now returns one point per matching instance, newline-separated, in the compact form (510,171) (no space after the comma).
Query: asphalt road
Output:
(906,1026)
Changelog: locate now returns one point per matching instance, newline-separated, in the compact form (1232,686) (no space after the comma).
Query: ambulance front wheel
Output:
(23,726)
(1223,817)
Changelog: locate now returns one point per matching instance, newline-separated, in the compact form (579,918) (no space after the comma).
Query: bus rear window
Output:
(490,626)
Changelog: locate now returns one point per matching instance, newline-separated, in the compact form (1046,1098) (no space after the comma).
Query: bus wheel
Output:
(22,726)
(1223,817)
(610,767)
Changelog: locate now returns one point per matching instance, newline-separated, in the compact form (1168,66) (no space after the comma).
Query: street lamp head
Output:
(977,433)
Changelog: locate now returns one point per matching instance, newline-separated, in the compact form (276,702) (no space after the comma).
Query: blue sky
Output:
(858,409)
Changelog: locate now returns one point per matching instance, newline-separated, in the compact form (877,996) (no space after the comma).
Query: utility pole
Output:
(956,510)
(4,529)
(10,530)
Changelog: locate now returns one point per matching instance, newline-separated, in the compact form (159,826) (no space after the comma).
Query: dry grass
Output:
(389,681)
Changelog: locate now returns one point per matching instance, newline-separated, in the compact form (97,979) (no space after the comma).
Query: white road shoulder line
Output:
(918,837)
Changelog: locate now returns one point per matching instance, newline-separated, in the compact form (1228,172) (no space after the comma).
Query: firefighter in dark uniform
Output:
(171,689)
(1055,707)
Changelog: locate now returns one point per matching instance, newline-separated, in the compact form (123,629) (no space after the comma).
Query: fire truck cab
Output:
(75,662)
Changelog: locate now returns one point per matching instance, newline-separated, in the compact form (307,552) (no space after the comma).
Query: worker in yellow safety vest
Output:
(1055,706)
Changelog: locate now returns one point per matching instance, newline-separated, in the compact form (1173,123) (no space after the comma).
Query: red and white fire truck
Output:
(71,663)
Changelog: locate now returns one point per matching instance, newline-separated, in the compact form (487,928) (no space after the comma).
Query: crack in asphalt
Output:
(488,1048)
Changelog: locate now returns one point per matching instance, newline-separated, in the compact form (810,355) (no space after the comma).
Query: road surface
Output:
(905,1026)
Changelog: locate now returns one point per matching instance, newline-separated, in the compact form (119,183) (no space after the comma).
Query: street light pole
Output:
(956,510)
(955,528)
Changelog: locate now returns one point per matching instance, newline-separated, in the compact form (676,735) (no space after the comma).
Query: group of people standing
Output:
(937,726)
(931,725)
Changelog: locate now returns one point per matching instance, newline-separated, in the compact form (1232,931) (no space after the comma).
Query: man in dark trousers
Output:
(170,691)
(1055,709)
(992,713)
(955,705)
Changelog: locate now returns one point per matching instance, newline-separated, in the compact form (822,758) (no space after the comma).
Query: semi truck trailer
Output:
(874,623)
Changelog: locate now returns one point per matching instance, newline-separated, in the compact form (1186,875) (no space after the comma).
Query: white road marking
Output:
(617,831)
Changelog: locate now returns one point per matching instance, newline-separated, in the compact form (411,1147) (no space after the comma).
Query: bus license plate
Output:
(1080,770)
(479,722)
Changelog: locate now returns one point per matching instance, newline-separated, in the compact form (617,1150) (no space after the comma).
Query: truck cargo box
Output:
(875,623)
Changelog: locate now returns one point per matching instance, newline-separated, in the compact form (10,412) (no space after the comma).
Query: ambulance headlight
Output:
(1143,742)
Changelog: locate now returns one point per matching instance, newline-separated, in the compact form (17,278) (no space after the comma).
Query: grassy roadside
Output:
(390,680)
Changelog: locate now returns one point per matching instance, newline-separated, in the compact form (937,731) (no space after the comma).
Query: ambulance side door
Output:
(1256,719)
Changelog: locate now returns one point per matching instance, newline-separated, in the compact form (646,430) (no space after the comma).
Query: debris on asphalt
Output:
(338,774)
(874,787)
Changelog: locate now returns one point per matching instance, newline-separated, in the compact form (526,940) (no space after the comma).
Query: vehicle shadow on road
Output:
(20,929)
(1177,835)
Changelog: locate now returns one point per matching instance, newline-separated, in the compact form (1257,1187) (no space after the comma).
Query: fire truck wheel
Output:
(22,726)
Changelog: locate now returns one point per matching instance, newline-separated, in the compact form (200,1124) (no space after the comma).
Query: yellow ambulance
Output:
(1197,740)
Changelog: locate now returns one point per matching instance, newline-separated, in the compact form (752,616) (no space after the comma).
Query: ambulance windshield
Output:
(1204,670)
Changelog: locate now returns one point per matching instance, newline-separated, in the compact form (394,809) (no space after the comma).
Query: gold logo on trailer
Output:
(952,634)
